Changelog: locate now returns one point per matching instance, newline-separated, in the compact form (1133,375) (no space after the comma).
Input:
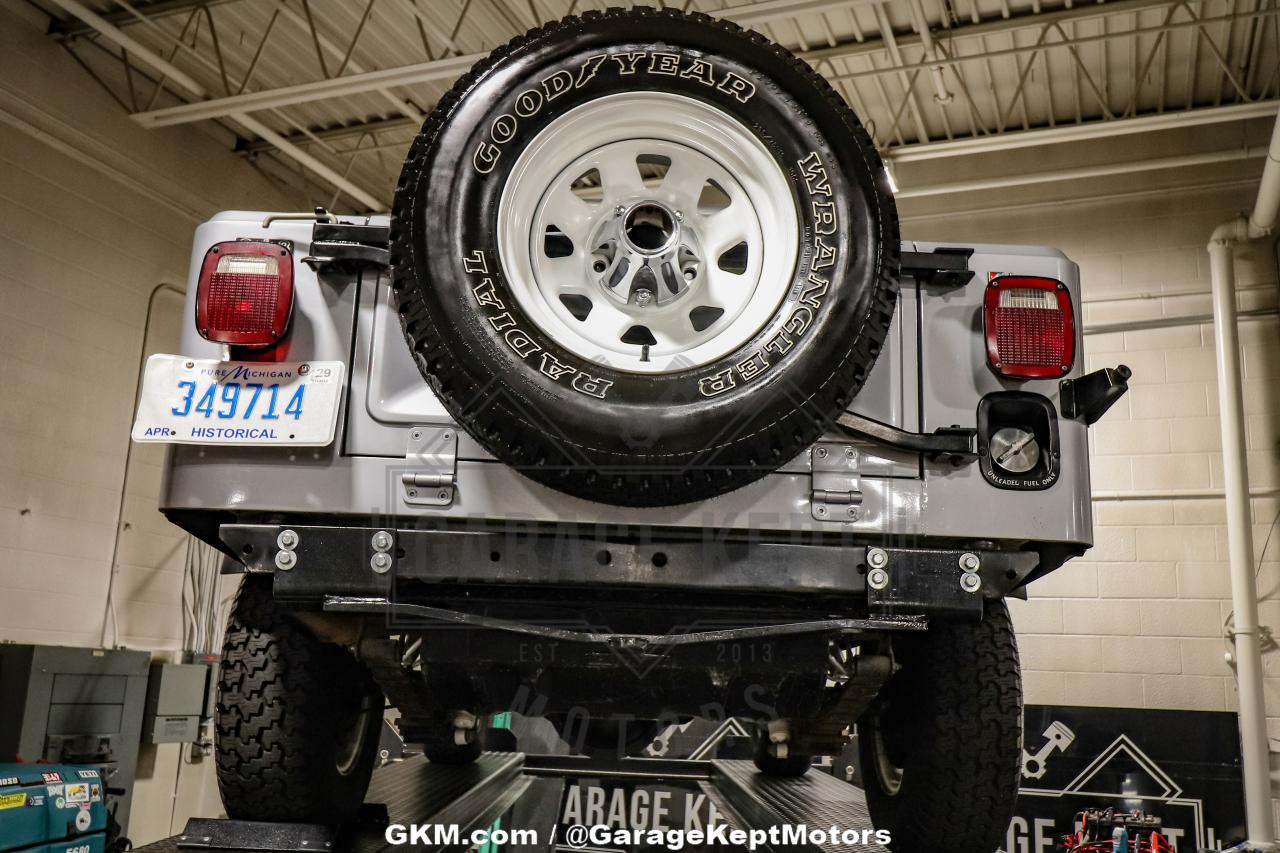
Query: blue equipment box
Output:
(52,808)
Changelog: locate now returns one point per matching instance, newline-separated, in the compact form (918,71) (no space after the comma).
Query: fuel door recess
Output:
(1018,441)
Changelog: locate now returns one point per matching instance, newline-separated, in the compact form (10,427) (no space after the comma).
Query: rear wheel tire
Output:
(298,719)
(941,749)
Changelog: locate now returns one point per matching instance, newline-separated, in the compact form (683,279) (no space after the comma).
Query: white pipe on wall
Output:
(1181,161)
(1246,636)
(1268,203)
(1246,632)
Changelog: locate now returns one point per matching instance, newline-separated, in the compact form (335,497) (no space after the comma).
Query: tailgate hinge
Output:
(431,466)
(837,493)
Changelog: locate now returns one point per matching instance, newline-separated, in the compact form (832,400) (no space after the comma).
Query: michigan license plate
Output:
(203,401)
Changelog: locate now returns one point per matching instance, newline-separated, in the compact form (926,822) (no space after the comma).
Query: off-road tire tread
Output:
(276,683)
(748,454)
(962,795)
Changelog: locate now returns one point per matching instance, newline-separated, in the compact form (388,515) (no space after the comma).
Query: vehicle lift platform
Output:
(526,791)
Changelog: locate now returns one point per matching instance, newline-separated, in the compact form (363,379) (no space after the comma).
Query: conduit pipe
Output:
(1246,635)
(186,81)
(941,95)
(1182,161)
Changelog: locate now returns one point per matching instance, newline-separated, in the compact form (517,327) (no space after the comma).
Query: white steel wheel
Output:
(633,231)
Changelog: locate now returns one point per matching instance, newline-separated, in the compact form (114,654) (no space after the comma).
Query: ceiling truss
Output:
(339,88)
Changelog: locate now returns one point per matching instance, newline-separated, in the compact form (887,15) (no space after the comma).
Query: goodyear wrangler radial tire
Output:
(644,257)
(297,719)
(941,751)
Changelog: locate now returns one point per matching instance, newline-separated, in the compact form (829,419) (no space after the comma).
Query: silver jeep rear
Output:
(398,454)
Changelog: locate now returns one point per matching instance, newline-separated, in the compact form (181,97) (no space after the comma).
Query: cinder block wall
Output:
(95,212)
(1138,622)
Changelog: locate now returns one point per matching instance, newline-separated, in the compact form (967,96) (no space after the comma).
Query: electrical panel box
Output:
(78,706)
(176,695)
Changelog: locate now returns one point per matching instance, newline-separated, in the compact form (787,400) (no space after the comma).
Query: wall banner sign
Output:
(1183,766)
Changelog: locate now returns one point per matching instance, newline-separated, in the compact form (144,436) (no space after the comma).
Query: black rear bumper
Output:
(315,562)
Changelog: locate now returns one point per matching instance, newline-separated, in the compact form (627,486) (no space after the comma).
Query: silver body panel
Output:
(930,374)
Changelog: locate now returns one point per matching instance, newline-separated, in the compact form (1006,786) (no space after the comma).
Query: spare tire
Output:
(644,257)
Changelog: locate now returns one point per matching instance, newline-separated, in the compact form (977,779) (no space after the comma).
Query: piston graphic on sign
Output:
(1057,738)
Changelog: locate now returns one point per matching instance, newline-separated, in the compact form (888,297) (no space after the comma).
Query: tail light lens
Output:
(1030,327)
(245,294)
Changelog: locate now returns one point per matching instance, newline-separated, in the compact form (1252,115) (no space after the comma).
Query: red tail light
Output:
(245,294)
(1030,327)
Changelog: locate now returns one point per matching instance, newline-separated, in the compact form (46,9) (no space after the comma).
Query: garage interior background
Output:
(1121,132)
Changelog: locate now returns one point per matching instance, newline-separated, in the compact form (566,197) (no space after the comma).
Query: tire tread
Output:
(277,685)
(961,779)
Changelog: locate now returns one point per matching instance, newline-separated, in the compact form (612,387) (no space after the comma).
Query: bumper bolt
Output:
(970,562)
(382,541)
(877,579)
(286,560)
(970,582)
(380,562)
(287,540)
(877,558)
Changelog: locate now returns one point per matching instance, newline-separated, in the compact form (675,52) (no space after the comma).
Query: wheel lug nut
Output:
(643,297)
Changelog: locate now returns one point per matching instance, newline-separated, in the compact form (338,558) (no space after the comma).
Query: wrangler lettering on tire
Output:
(644,257)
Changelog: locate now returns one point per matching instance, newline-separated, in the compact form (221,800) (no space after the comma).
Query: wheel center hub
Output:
(645,254)
(650,228)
